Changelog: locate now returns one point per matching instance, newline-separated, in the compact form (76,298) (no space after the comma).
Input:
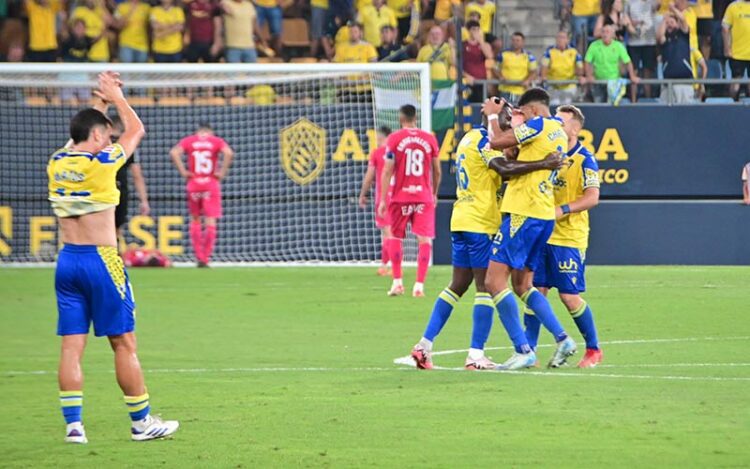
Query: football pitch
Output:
(294,367)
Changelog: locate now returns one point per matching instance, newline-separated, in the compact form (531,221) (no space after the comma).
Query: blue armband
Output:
(565,209)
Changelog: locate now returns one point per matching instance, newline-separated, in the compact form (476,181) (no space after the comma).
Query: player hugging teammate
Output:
(553,179)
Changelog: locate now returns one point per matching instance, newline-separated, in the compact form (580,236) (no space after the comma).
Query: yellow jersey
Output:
(95,27)
(360,4)
(322,4)
(135,32)
(267,3)
(439,58)
(444,9)
(400,7)
(704,9)
(515,67)
(373,20)
(171,43)
(586,7)
(477,208)
(531,195)
(562,65)
(81,183)
(737,17)
(360,52)
(42,28)
(486,12)
(580,172)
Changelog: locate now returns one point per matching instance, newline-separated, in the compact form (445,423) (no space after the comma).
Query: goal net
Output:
(301,134)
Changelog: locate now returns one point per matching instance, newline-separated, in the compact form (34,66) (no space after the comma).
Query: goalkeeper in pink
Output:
(204,178)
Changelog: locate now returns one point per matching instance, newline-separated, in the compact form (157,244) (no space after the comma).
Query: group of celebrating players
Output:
(532,231)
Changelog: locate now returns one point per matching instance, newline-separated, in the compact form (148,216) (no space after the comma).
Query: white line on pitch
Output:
(220,370)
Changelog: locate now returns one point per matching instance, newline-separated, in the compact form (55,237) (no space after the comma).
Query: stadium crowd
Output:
(599,40)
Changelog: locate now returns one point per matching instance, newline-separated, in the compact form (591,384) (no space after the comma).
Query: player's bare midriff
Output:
(91,229)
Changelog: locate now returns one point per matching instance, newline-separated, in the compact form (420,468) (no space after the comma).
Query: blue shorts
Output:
(92,285)
(272,16)
(521,241)
(470,250)
(563,268)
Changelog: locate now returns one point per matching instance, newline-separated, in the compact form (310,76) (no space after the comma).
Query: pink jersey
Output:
(412,152)
(377,162)
(203,153)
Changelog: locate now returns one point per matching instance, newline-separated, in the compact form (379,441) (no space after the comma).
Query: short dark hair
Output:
(354,24)
(472,24)
(408,111)
(387,27)
(519,34)
(534,95)
(204,125)
(117,123)
(82,123)
(385,130)
(574,111)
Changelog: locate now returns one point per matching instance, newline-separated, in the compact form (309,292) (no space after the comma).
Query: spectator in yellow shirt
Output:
(583,20)
(42,29)
(736,33)
(438,53)
(407,12)
(97,20)
(167,21)
(131,19)
(269,11)
(355,50)
(239,23)
(516,65)
(486,10)
(562,62)
(373,17)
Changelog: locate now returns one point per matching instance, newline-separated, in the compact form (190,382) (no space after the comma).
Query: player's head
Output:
(517,41)
(93,128)
(407,115)
(204,128)
(383,132)
(608,33)
(117,127)
(355,32)
(562,40)
(573,120)
(534,102)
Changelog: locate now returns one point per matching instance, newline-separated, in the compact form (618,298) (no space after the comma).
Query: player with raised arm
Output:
(134,165)
(530,207)
(412,161)
(475,219)
(563,262)
(203,178)
(91,283)
(372,176)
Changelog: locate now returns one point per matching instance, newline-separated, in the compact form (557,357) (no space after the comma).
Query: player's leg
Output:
(398,220)
(385,234)
(70,380)
(541,281)
(195,207)
(480,246)
(212,212)
(423,226)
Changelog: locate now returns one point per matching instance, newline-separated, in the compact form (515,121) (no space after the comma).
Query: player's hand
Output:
(145,208)
(558,213)
(553,161)
(220,176)
(635,80)
(109,87)
(493,106)
(362,201)
(381,209)
(186,174)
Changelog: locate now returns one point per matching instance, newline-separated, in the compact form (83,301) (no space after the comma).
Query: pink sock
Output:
(384,252)
(196,240)
(423,261)
(209,239)
(395,253)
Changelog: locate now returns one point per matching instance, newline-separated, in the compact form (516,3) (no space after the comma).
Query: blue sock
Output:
(543,311)
(533,325)
(440,313)
(483,309)
(584,319)
(507,309)
(71,403)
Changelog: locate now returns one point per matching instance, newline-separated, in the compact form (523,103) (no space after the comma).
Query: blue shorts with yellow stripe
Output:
(521,241)
(92,286)
(470,250)
(563,268)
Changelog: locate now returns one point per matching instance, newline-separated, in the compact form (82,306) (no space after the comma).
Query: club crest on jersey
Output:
(303,151)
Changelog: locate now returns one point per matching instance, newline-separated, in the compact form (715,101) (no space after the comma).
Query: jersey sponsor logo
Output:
(568,267)
(68,175)
(558,133)
(407,210)
(524,132)
(303,151)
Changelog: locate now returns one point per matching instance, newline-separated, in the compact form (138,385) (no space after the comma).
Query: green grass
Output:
(363,410)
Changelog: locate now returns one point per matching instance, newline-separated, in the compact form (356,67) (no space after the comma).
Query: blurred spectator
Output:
(438,53)
(97,20)
(682,7)
(642,40)
(373,17)
(167,21)
(390,50)
(602,62)
(42,29)
(612,13)
(677,58)
(583,20)
(562,62)
(719,7)
(486,10)
(736,34)
(131,19)
(269,11)
(403,11)
(476,51)
(318,13)
(443,15)
(704,13)
(13,54)
(496,43)
(516,65)
(76,49)
(261,95)
(472,16)
(239,22)
(746,184)
(336,31)
(204,31)
(356,50)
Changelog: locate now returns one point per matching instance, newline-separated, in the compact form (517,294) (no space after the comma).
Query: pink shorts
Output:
(204,197)
(420,215)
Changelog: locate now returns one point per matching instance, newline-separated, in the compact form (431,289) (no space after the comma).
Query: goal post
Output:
(301,134)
